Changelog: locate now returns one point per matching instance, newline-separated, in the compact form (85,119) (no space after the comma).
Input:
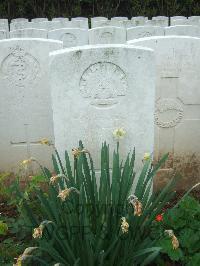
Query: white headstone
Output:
(98,18)
(4,20)
(98,21)
(39,19)
(25,105)
(110,23)
(82,24)
(160,18)
(119,18)
(93,90)
(20,25)
(60,19)
(144,31)
(177,17)
(3,34)
(4,24)
(80,18)
(157,22)
(183,30)
(177,115)
(29,33)
(179,22)
(139,21)
(107,35)
(70,37)
(46,25)
(195,20)
(15,20)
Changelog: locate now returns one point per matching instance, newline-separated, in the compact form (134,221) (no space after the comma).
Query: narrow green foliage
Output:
(85,207)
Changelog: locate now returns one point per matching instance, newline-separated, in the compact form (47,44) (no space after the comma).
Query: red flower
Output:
(159,218)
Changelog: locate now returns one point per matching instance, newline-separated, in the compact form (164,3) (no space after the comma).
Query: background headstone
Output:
(157,22)
(177,114)
(179,22)
(39,19)
(70,37)
(29,33)
(18,20)
(107,35)
(25,104)
(144,31)
(139,21)
(20,25)
(183,30)
(3,34)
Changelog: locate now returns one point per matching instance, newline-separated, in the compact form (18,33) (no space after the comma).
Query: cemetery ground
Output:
(170,220)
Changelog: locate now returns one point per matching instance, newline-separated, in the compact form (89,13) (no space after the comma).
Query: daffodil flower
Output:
(119,133)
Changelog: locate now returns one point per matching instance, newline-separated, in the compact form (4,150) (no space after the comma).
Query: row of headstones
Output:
(81,22)
(94,90)
(102,35)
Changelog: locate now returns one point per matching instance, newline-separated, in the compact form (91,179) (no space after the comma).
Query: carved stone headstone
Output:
(17,25)
(29,33)
(175,22)
(107,35)
(97,89)
(110,23)
(70,37)
(177,114)
(96,19)
(160,22)
(19,20)
(60,19)
(183,30)
(119,18)
(139,21)
(25,105)
(194,20)
(3,34)
(4,25)
(39,19)
(144,31)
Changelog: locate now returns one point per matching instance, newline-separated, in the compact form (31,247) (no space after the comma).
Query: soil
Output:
(179,195)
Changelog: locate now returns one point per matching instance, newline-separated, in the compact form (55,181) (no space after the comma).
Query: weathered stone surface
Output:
(177,114)
(60,19)
(183,30)
(177,17)
(194,20)
(97,21)
(144,31)
(25,105)
(70,37)
(29,33)
(16,25)
(39,19)
(179,22)
(112,23)
(157,22)
(139,21)
(4,25)
(80,18)
(49,25)
(97,89)
(3,34)
(119,18)
(18,20)
(107,35)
